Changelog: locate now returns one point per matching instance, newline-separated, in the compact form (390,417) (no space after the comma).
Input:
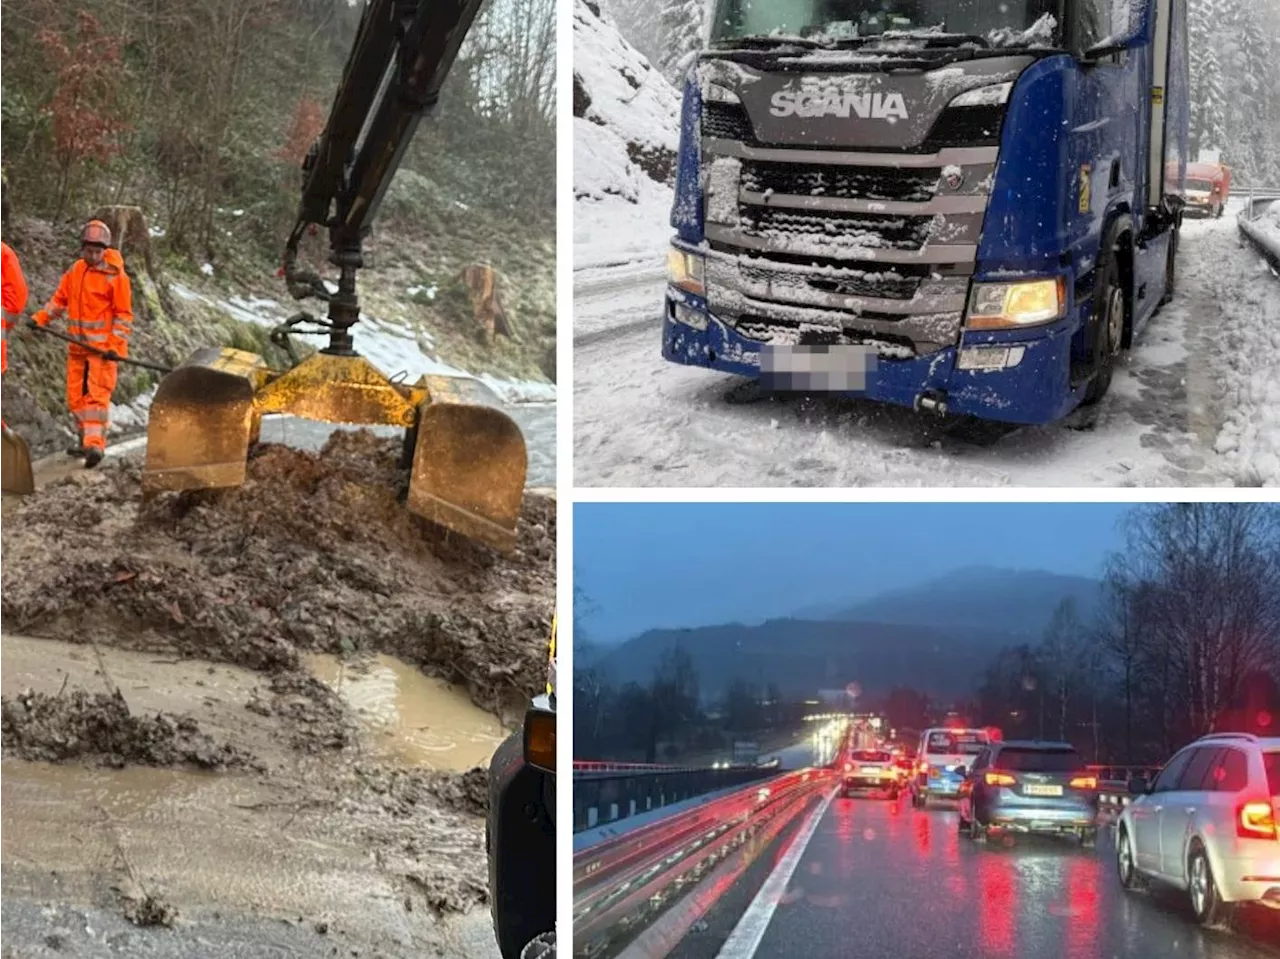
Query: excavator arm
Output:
(467,458)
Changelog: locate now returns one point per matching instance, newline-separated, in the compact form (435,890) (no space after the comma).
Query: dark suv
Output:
(1030,787)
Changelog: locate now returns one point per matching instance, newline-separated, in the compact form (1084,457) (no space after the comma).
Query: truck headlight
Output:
(687,271)
(1000,306)
(990,96)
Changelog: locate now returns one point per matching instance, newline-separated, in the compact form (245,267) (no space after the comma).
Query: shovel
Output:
(15,465)
(105,354)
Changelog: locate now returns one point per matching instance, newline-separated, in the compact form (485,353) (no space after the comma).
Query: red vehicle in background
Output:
(1207,188)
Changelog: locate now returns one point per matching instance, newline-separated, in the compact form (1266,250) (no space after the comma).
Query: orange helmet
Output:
(95,231)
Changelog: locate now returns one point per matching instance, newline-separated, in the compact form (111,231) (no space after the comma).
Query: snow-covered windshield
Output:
(836,20)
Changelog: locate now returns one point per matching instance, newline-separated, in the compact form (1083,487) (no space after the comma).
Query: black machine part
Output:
(403,51)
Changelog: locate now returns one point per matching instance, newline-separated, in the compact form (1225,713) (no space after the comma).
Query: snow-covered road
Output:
(1196,402)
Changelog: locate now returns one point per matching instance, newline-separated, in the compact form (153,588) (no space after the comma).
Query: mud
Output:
(409,718)
(314,553)
(179,638)
(99,727)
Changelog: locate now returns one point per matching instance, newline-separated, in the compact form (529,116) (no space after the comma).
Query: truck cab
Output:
(954,206)
(520,831)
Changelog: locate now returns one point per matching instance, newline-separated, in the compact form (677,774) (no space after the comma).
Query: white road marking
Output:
(745,938)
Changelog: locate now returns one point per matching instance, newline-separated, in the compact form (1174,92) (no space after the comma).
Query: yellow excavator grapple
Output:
(468,458)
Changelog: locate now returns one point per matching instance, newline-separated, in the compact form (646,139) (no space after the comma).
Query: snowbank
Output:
(1250,437)
(626,131)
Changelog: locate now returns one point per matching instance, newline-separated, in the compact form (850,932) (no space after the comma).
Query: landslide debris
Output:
(315,552)
(98,727)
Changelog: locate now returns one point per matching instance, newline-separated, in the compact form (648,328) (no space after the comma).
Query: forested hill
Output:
(200,113)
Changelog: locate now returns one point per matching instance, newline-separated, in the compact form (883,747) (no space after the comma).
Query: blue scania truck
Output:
(961,206)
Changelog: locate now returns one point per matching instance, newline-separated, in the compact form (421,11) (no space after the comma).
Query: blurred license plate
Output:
(1032,790)
(838,368)
(870,771)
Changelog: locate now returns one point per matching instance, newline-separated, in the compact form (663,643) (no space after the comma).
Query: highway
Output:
(865,877)
(879,878)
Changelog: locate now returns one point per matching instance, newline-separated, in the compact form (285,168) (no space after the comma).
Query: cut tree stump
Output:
(482,286)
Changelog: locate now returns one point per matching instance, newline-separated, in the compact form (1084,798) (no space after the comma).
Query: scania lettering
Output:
(963,207)
(834,103)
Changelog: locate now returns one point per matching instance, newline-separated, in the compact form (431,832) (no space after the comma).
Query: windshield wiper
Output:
(761,41)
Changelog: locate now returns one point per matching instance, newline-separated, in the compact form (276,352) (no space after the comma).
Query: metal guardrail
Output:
(1256,201)
(623,884)
(602,796)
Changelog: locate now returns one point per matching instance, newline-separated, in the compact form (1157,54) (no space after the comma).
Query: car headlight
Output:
(687,271)
(999,306)
(990,96)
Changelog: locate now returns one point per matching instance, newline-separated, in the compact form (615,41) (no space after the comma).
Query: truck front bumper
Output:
(1037,390)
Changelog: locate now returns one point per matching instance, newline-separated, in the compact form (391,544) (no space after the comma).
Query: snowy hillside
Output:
(626,130)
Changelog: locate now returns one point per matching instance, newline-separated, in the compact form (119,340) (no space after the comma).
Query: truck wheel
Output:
(1107,326)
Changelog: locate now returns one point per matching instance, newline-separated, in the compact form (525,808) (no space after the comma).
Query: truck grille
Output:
(842,229)
(883,283)
(955,127)
(766,329)
(726,121)
(845,182)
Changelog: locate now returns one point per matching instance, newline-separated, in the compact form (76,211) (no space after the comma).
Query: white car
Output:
(1207,824)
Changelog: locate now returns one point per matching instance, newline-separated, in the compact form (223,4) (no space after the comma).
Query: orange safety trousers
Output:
(90,383)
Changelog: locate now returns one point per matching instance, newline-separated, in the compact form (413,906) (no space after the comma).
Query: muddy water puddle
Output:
(410,717)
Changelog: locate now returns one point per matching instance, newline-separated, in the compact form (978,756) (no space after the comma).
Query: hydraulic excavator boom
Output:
(468,459)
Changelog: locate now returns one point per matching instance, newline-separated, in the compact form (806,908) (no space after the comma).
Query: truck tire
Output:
(1106,325)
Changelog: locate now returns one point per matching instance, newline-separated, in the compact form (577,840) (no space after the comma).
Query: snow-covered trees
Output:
(1235,85)
(681,22)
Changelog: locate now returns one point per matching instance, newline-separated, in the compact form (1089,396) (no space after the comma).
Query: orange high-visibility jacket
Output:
(97,302)
(14,297)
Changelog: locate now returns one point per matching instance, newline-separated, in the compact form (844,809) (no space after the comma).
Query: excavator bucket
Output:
(469,463)
(15,464)
(202,422)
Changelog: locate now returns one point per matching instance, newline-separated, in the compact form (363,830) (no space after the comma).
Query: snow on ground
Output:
(622,106)
(1196,402)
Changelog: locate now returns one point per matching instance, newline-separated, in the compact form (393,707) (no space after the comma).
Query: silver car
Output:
(1207,824)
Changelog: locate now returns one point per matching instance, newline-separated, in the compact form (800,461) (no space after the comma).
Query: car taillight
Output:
(1084,782)
(999,779)
(1256,821)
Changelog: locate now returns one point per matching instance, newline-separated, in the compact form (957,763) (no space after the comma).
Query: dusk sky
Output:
(647,565)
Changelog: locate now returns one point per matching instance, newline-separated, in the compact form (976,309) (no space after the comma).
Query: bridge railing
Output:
(603,795)
(623,884)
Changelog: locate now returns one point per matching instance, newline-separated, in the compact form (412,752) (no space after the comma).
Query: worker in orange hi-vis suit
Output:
(97,302)
(14,298)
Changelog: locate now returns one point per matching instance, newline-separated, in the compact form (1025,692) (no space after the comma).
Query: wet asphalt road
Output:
(882,879)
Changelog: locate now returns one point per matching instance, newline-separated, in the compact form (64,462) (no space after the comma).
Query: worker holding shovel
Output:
(95,298)
(14,297)
(16,458)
